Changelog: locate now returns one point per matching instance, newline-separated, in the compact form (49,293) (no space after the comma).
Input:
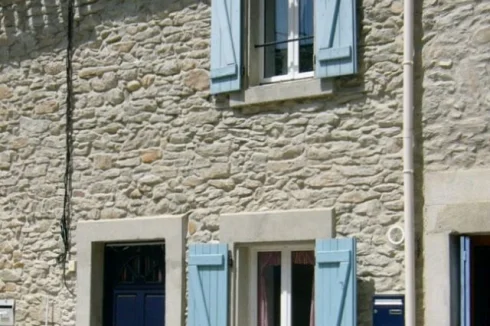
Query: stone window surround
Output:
(253,91)
(243,230)
(90,239)
(281,91)
(456,202)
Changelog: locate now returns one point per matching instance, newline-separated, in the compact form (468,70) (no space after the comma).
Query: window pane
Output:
(302,265)
(305,29)
(275,29)
(269,288)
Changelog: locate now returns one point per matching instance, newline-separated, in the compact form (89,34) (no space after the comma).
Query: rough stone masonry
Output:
(148,138)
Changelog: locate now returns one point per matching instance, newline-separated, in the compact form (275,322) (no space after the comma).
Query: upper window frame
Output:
(234,78)
(253,90)
(293,46)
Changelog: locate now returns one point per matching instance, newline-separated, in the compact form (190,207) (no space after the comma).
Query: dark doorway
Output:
(480,280)
(134,284)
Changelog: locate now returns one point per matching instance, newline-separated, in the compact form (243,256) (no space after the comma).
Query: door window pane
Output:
(305,29)
(269,288)
(275,29)
(302,268)
(136,264)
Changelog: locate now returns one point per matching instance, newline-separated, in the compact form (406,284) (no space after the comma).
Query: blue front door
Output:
(134,285)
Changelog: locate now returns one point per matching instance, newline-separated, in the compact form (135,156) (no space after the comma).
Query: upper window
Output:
(282,288)
(286,39)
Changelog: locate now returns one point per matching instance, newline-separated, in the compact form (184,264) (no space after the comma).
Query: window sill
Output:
(283,91)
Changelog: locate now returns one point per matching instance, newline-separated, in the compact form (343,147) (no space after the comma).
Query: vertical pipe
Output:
(408,179)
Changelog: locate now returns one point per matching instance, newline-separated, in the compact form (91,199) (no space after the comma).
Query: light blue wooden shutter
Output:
(335,38)
(226,35)
(465,281)
(335,283)
(208,285)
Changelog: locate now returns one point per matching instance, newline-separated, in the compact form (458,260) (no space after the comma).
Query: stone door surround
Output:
(456,202)
(91,237)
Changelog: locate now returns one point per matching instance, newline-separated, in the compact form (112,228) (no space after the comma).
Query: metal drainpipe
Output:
(408,179)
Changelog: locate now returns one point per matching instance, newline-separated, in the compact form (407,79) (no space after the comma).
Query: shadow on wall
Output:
(365,294)
(29,29)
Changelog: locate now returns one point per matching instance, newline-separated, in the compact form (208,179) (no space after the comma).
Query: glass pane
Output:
(136,264)
(154,269)
(302,265)
(275,29)
(130,270)
(269,288)
(305,29)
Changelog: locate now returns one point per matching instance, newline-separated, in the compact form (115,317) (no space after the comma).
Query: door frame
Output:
(456,202)
(91,237)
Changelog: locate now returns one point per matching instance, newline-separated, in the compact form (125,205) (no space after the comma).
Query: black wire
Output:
(66,217)
(284,41)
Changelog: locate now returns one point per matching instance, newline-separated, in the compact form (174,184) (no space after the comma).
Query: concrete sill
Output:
(276,92)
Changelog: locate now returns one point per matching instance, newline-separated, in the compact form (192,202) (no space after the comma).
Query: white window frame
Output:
(293,47)
(286,281)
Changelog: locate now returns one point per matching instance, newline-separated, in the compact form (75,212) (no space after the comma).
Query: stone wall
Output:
(32,153)
(149,140)
(452,117)
(456,102)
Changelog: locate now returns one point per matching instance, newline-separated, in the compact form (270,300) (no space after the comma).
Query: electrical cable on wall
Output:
(66,216)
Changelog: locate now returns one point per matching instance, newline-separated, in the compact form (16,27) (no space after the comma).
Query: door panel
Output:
(125,309)
(154,309)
